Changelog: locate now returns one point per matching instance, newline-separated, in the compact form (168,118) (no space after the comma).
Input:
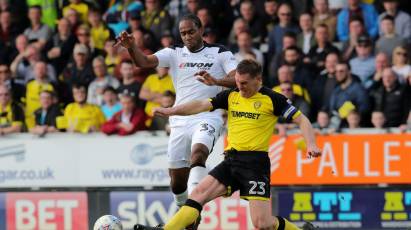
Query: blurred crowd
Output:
(343,63)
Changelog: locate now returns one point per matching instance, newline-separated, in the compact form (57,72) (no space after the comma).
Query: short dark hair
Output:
(193,18)
(109,89)
(249,66)
(79,85)
(127,61)
(38,7)
(49,92)
(322,25)
(388,17)
(290,34)
(356,18)
(344,63)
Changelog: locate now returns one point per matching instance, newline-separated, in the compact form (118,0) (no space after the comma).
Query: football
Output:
(108,222)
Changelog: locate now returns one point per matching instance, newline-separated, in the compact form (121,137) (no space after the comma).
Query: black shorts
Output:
(247,171)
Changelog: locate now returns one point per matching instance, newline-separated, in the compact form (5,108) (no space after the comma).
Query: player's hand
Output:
(126,40)
(204,77)
(313,151)
(162,112)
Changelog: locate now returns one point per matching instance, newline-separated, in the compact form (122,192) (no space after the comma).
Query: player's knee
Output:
(199,156)
(178,186)
(262,223)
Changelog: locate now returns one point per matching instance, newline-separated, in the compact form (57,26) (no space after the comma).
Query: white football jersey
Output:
(215,59)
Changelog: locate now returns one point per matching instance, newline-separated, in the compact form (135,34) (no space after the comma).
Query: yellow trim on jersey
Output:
(297,114)
(254,198)
(229,192)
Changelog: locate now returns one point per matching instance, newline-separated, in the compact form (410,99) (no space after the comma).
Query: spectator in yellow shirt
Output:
(33,89)
(80,7)
(154,87)
(80,116)
(11,114)
(100,33)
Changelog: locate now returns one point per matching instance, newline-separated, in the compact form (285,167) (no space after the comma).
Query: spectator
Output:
(102,80)
(286,75)
(389,39)
(210,35)
(317,54)
(162,123)
(18,9)
(154,88)
(117,15)
(37,33)
(322,123)
(99,32)
(289,40)
(59,47)
(285,24)
(17,90)
(325,83)
(363,65)
(293,57)
(348,94)
(357,9)
(20,45)
(378,119)
(49,12)
(80,71)
(402,20)
(83,35)
(128,121)
(11,114)
(400,63)
(80,7)
(392,99)
(239,26)
(270,13)
(381,62)
(46,115)
(407,126)
(129,82)
(305,39)
(8,30)
(23,65)
(111,104)
(253,20)
(323,15)
(356,28)
(203,13)
(155,19)
(112,58)
(354,120)
(167,40)
(40,83)
(245,45)
(298,101)
(73,17)
(80,116)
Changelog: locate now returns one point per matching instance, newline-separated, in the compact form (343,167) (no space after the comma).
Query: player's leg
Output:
(179,166)
(208,189)
(205,134)
(263,219)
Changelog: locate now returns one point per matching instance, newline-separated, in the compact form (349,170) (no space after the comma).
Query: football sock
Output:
(284,224)
(181,198)
(197,173)
(187,215)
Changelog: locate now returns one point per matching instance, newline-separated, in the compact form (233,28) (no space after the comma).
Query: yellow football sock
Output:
(284,224)
(184,217)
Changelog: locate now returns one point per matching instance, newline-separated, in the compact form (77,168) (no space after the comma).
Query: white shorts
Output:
(183,137)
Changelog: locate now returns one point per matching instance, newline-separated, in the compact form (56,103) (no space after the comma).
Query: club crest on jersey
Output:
(198,65)
(257,105)
(209,56)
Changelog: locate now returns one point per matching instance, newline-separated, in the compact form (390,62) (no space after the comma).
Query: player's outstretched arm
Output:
(228,81)
(309,136)
(185,109)
(141,60)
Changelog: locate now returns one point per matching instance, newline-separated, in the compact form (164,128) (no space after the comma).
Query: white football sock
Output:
(181,198)
(196,175)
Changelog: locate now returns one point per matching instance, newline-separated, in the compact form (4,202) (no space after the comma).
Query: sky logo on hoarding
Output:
(143,154)
(16,151)
(332,207)
(395,210)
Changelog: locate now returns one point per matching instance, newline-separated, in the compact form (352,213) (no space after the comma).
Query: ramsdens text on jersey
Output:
(239,114)
(198,65)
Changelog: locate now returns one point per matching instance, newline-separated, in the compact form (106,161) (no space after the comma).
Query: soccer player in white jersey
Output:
(199,71)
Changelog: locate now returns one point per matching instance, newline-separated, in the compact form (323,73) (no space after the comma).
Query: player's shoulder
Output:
(274,96)
(218,47)
(176,46)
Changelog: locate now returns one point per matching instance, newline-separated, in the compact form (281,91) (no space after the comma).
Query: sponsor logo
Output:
(198,65)
(143,154)
(249,115)
(153,208)
(38,211)
(16,151)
